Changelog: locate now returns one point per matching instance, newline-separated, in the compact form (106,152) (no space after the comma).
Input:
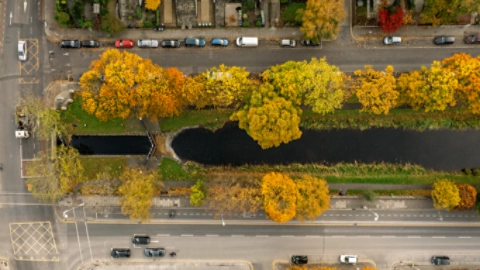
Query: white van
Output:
(247,41)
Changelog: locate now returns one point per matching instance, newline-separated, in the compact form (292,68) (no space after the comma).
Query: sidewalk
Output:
(56,33)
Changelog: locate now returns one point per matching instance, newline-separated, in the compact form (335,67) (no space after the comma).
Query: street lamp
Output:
(223,222)
(66,211)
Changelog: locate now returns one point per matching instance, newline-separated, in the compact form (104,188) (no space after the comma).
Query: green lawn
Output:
(96,165)
(210,119)
(79,122)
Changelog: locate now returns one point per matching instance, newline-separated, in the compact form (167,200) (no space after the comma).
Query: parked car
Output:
(22,50)
(120,253)
(154,252)
(472,39)
(141,239)
(170,44)
(288,43)
(348,259)
(299,259)
(90,44)
(73,44)
(392,40)
(147,43)
(194,42)
(444,40)
(124,43)
(440,260)
(308,42)
(219,42)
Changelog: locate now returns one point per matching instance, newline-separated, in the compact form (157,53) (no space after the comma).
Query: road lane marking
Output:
(212,235)
(464,237)
(414,237)
(188,235)
(438,236)
(261,235)
(237,235)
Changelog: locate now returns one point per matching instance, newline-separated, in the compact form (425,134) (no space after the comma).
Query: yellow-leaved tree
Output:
(224,86)
(122,83)
(287,79)
(268,119)
(376,90)
(279,197)
(152,4)
(445,195)
(432,89)
(322,86)
(467,72)
(312,197)
(321,18)
(137,190)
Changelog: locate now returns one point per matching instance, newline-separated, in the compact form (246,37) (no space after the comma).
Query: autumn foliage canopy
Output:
(390,19)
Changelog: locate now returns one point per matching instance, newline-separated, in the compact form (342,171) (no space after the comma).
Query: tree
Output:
(432,89)
(137,190)
(468,197)
(69,169)
(54,175)
(467,72)
(439,12)
(152,4)
(197,195)
(62,18)
(121,83)
(287,80)
(321,19)
(111,24)
(390,19)
(376,91)
(323,86)
(368,268)
(312,197)
(268,119)
(445,195)
(42,180)
(279,194)
(43,120)
(226,197)
(225,86)
(194,92)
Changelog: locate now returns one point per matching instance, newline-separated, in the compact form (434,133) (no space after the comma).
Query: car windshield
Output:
(20,53)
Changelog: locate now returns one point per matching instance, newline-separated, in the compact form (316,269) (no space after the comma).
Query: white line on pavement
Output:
(186,235)
(464,237)
(212,235)
(236,235)
(163,234)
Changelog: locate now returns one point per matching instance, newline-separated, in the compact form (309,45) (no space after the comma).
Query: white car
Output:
(392,40)
(147,43)
(348,259)
(22,50)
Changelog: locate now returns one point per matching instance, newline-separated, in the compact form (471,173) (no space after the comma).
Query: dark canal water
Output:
(111,145)
(445,150)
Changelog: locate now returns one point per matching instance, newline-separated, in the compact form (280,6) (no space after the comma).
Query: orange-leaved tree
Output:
(468,197)
(445,195)
(279,195)
(376,90)
(467,72)
(312,197)
(269,119)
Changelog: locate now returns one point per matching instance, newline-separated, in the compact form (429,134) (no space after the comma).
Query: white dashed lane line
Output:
(212,235)
(464,237)
(187,235)
(261,236)
(438,236)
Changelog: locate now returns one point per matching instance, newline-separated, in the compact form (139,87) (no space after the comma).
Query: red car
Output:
(127,43)
(472,39)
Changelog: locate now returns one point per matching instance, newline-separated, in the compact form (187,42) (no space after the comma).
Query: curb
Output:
(172,262)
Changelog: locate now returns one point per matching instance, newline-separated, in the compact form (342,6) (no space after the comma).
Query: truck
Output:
(348,259)
(23,126)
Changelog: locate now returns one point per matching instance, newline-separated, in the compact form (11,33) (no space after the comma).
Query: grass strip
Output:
(209,119)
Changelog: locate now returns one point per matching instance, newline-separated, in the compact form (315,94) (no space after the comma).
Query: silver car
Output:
(22,50)
(288,43)
(392,40)
(147,43)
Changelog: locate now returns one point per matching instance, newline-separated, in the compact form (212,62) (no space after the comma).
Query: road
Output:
(261,245)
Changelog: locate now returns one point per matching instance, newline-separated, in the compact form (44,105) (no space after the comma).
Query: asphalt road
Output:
(191,60)
(262,245)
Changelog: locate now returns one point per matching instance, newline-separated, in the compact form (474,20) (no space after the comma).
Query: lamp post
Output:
(66,211)
(223,222)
